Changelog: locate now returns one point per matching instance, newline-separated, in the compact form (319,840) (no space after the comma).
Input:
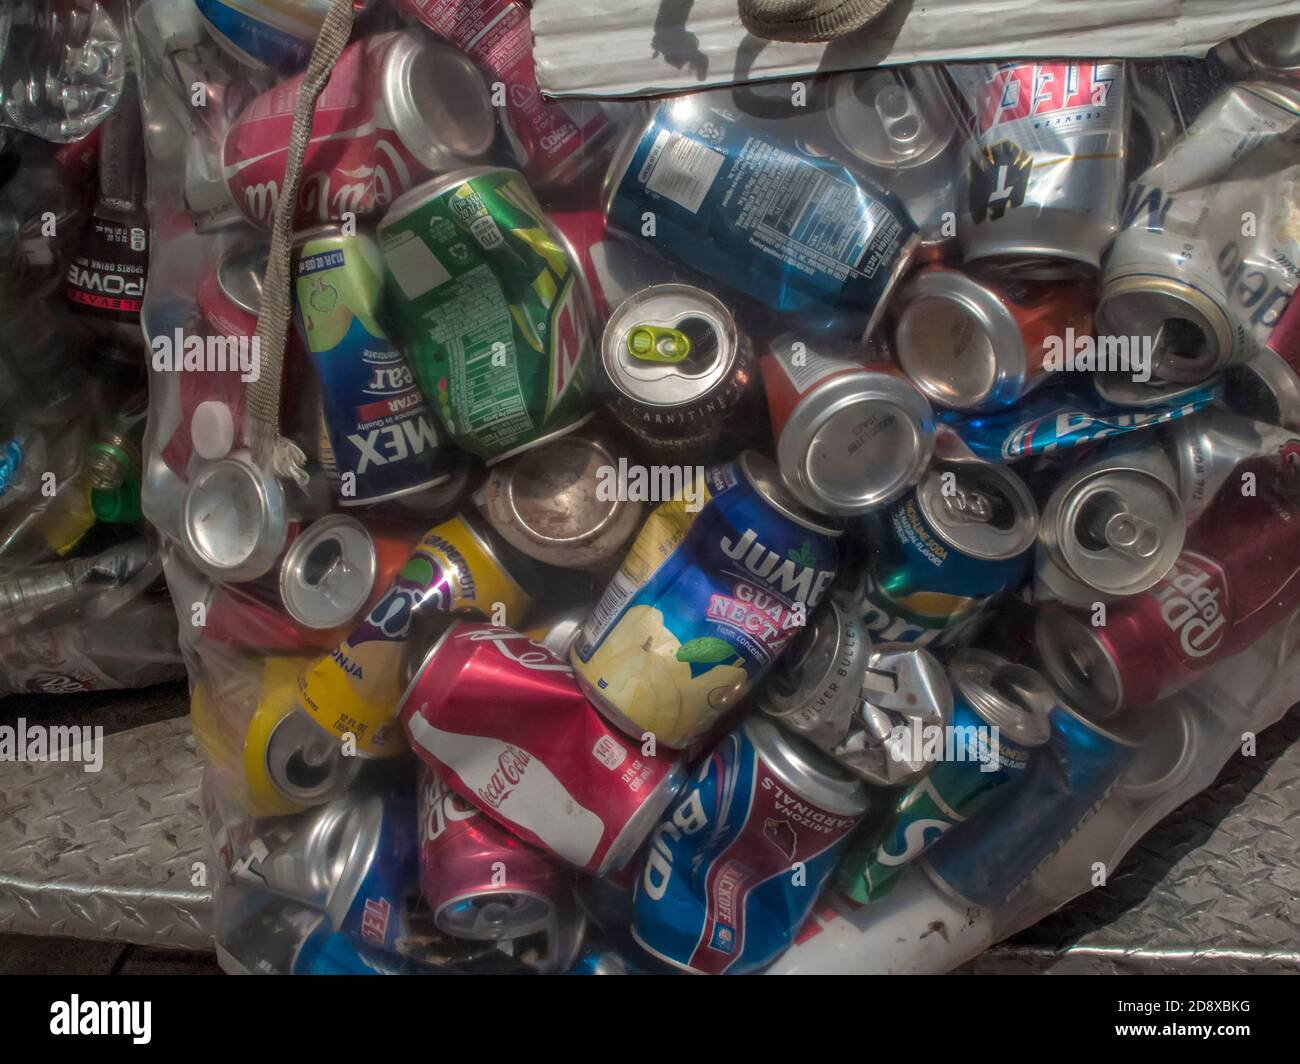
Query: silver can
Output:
(234,519)
(328,572)
(1041,191)
(560,504)
(1110,529)
(679,366)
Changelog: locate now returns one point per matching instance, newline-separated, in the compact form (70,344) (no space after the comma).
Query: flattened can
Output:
(704,603)
(355,689)
(718,893)
(679,367)
(800,233)
(381,433)
(494,316)
(1042,184)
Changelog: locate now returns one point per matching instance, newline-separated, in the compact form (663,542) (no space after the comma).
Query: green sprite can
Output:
(999,718)
(492,310)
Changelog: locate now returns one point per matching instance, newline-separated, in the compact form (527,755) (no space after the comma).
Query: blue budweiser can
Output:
(818,240)
(986,859)
(732,872)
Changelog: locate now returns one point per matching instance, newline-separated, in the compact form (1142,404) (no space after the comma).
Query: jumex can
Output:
(734,869)
(381,433)
(985,860)
(999,719)
(495,318)
(704,603)
(354,690)
(823,243)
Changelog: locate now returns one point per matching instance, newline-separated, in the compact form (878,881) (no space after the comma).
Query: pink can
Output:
(554,141)
(398,108)
(503,721)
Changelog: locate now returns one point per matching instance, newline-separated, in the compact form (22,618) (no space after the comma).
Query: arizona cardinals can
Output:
(731,874)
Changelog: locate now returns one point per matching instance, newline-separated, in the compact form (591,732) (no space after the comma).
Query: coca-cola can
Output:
(398,108)
(1238,575)
(615,268)
(503,721)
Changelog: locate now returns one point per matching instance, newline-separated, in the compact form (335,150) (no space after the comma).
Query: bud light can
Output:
(732,872)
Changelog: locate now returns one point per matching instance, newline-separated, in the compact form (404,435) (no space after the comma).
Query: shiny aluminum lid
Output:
(1265,388)
(958,342)
(437,100)
(981,509)
(494,915)
(809,773)
(1190,332)
(1078,663)
(762,474)
(328,572)
(305,763)
(307,855)
(1165,756)
(240,273)
(669,345)
(891,117)
(233,520)
(1118,529)
(1014,698)
(802,671)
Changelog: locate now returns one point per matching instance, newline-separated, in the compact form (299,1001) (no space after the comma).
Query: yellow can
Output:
(355,689)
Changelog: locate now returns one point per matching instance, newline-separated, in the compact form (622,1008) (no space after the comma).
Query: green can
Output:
(491,309)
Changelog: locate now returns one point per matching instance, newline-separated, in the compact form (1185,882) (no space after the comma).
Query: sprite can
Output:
(493,313)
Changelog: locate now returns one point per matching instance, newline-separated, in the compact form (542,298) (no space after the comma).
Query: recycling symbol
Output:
(999,176)
(709,131)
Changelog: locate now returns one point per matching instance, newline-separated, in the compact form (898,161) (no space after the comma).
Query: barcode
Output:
(684,170)
(616,596)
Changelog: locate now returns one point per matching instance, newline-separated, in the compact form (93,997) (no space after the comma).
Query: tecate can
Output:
(328,572)
(555,141)
(501,720)
(235,520)
(615,268)
(560,503)
(680,369)
(1266,388)
(704,603)
(945,551)
(899,122)
(974,342)
(1238,576)
(381,126)
(849,437)
(494,316)
(828,247)
(481,882)
(277,34)
(988,858)
(381,432)
(999,719)
(1208,449)
(354,690)
(1111,528)
(1042,181)
(719,892)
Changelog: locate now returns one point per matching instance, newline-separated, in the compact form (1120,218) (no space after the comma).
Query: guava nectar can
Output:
(704,603)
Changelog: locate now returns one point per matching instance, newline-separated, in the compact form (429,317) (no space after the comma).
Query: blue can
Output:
(382,872)
(732,198)
(380,434)
(279,35)
(987,859)
(732,872)
(329,952)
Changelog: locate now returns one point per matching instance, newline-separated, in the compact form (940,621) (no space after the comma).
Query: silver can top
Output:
(1190,329)
(978,508)
(892,118)
(855,442)
(240,273)
(959,342)
(669,345)
(234,520)
(1267,388)
(1116,526)
(437,100)
(765,479)
(328,572)
(1014,698)
(808,772)
(1078,662)
(305,763)
(495,915)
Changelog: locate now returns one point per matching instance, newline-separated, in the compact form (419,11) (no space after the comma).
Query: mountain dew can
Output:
(383,437)
(491,309)
(704,603)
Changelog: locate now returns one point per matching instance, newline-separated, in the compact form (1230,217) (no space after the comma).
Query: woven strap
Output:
(270,449)
(808,20)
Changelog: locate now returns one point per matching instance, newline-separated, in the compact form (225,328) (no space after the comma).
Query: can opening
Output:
(703,339)
(322,561)
(310,765)
(1179,338)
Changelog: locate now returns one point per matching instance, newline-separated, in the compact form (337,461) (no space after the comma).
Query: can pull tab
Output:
(658,343)
(1132,536)
(899,118)
(968,507)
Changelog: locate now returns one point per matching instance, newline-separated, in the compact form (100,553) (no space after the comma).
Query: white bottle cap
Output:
(212,429)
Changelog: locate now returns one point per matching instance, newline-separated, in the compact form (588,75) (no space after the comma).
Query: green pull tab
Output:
(655,343)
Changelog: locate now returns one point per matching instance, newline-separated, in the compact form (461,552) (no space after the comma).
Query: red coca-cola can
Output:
(614,268)
(481,882)
(1237,576)
(398,108)
(503,721)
